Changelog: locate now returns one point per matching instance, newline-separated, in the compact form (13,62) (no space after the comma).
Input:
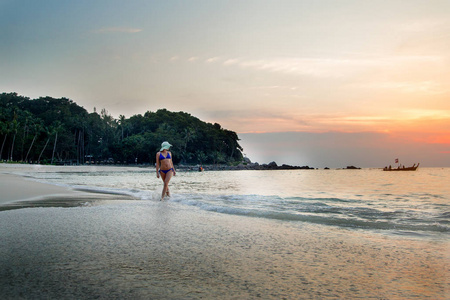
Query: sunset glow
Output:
(255,67)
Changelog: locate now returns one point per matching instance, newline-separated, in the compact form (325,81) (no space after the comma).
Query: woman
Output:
(164,167)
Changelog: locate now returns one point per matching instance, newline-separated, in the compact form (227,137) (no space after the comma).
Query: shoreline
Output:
(188,167)
(207,167)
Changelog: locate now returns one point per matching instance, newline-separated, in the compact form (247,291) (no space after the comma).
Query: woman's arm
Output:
(157,165)
(171,161)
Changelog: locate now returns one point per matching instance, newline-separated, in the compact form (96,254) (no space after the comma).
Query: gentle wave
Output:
(372,208)
(325,211)
(317,212)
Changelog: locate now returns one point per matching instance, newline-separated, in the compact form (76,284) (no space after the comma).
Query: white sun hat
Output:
(165,145)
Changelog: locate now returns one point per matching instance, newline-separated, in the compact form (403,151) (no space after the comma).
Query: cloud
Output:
(117,30)
(425,87)
(258,120)
(317,67)
(212,59)
(424,25)
(348,66)
(427,113)
(333,67)
(193,58)
(231,61)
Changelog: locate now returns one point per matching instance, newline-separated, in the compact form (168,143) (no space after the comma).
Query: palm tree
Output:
(122,124)
(4,129)
(189,135)
(37,130)
(57,128)
(26,128)
(48,131)
(14,126)
(201,156)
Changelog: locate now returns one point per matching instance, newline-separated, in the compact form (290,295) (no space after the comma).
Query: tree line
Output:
(58,131)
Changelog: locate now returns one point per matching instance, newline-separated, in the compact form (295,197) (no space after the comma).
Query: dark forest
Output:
(58,131)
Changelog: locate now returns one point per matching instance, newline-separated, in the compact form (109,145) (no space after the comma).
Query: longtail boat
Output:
(403,168)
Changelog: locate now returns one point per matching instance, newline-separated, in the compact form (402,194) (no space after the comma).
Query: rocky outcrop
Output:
(244,166)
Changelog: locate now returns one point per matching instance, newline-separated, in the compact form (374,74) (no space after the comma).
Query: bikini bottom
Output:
(166,171)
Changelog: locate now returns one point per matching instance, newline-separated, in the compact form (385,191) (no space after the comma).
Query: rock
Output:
(244,166)
(272,164)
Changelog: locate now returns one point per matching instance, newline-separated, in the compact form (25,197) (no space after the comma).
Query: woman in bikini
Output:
(164,167)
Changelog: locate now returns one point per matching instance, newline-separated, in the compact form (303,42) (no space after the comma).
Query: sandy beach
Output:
(17,188)
(20,192)
(136,249)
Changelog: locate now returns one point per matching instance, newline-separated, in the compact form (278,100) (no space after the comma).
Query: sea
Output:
(281,234)
(410,203)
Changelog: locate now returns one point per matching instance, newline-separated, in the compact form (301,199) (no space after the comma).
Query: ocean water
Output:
(303,234)
(406,203)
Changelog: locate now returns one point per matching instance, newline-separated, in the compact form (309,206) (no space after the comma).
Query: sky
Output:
(324,83)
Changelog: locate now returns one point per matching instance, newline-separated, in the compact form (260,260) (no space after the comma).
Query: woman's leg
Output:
(163,177)
(166,178)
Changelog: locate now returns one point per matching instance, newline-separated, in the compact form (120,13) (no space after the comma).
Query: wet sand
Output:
(21,192)
(162,250)
(16,188)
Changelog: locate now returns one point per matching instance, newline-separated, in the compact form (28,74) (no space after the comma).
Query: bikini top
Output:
(162,157)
